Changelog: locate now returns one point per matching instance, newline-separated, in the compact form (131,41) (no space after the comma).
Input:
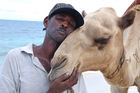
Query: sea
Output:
(15,33)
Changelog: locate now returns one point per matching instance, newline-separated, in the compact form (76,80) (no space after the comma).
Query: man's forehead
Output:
(65,14)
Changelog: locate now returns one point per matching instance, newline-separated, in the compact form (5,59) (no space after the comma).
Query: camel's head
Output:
(93,46)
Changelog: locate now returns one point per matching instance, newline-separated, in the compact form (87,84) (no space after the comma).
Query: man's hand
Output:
(64,82)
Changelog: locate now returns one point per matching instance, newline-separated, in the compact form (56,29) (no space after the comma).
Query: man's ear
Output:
(45,22)
(127,20)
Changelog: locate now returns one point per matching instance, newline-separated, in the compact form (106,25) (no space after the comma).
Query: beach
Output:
(20,33)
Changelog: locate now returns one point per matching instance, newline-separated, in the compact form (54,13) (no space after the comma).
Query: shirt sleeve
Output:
(9,75)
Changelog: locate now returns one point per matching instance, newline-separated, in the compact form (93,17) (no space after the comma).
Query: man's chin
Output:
(60,40)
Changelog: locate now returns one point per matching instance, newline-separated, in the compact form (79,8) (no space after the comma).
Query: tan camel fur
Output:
(99,45)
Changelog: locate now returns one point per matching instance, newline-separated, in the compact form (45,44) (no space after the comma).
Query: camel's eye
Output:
(102,40)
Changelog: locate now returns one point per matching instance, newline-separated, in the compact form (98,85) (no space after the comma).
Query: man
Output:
(25,69)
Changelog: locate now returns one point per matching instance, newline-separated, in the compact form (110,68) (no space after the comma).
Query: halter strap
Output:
(114,73)
(134,4)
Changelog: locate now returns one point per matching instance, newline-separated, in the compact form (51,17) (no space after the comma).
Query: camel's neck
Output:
(132,40)
(121,74)
(129,70)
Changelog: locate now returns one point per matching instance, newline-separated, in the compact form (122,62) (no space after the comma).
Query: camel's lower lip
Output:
(50,76)
(55,68)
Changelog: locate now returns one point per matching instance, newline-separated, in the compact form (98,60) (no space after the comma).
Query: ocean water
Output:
(15,34)
(19,33)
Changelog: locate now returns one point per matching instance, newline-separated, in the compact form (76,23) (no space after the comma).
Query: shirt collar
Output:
(28,49)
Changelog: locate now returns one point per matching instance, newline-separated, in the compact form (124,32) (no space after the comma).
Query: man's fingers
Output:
(74,74)
(76,77)
(73,78)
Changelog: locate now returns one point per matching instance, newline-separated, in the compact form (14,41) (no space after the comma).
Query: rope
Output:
(122,59)
(70,90)
(135,3)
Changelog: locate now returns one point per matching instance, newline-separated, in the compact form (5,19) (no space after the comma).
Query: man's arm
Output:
(9,75)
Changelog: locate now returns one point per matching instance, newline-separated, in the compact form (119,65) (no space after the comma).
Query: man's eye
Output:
(59,18)
(72,25)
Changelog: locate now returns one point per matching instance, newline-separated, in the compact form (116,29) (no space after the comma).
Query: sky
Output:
(37,10)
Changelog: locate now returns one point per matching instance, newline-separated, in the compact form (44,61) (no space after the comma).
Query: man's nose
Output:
(65,24)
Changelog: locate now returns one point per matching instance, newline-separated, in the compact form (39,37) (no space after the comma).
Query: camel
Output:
(99,45)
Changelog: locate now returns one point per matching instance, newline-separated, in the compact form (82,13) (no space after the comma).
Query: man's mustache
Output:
(62,28)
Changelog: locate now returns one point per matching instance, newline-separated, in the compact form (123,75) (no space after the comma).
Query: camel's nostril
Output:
(61,63)
(64,60)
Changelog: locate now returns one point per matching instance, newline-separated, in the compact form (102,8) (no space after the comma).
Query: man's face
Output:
(60,25)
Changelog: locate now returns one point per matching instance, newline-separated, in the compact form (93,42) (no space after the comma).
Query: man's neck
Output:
(46,50)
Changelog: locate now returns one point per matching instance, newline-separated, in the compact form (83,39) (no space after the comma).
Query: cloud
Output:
(38,9)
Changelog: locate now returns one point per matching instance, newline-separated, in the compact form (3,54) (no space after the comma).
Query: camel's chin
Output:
(56,74)
(51,77)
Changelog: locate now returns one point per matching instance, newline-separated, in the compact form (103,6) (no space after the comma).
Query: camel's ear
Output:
(126,20)
(84,13)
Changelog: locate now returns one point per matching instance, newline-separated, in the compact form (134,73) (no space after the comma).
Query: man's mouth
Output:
(62,32)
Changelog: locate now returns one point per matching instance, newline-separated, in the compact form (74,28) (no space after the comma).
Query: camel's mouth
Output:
(53,74)
(61,66)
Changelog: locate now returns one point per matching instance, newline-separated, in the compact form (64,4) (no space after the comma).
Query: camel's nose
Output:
(61,63)
(56,65)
